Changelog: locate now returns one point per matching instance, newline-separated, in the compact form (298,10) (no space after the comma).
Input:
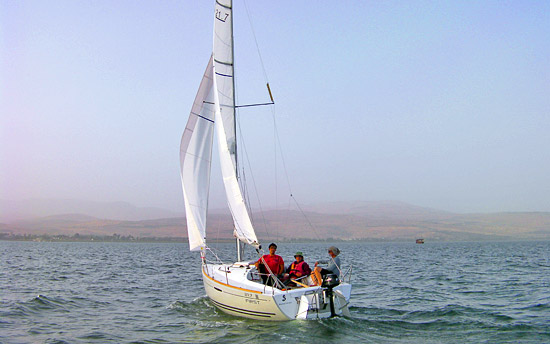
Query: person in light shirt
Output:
(332,268)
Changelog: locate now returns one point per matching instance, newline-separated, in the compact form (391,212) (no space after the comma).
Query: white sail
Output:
(195,160)
(224,99)
(224,70)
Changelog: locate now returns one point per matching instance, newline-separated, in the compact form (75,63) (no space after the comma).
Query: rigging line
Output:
(280,146)
(307,219)
(243,144)
(276,169)
(251,105)
(287,177)
(255,39)
(278,282)
(278,143)
(336,265)
(246,195)
(213,251)
(218,236)
(286,216)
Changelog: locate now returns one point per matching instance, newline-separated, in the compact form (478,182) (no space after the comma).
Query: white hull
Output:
(235,289)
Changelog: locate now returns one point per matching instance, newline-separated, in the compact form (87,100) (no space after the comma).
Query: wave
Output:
(41,303)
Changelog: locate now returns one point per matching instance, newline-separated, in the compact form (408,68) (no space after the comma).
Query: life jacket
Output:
(299,269)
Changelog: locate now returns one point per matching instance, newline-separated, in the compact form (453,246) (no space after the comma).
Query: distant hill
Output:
(382,221)
(381,209)
(34,208)
(71,224)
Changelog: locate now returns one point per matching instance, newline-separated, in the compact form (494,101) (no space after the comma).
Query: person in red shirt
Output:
(273,261)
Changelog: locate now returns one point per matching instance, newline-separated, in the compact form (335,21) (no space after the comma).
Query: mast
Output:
(237,241)
(234,88)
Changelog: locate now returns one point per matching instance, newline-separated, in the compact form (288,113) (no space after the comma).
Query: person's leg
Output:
(317,278)
(263,273)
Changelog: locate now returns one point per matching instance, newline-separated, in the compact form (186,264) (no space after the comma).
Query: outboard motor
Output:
(330,281)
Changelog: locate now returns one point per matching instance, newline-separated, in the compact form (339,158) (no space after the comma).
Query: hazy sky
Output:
(444,104)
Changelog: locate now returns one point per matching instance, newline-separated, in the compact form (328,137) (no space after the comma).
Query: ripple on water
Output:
(143,293)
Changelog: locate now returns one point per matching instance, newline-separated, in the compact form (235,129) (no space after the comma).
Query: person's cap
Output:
(334,250)
(272,244)
(299,254)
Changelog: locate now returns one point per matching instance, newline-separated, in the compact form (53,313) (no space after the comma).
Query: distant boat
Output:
(236,287)
(419,241)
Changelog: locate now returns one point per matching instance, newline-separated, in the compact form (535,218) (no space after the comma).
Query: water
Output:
(152,293)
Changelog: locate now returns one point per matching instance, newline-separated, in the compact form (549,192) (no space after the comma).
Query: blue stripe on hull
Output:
(242,310)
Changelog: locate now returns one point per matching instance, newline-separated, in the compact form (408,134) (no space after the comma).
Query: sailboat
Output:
(237,288)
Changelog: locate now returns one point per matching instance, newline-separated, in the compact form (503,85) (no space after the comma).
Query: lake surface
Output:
(152,293)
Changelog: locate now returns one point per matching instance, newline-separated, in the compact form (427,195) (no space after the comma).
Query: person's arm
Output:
(306,268)
(257,264)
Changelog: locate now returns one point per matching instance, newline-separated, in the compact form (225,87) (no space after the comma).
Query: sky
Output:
(441,104)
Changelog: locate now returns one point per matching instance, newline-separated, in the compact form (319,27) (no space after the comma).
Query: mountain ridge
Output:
(386,220)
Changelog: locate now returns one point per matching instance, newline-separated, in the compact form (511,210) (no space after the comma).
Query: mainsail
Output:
(224,99)
(195,160)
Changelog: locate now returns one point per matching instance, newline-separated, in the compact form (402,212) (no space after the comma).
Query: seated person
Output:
(298,269)
(274,262)
(332,268)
